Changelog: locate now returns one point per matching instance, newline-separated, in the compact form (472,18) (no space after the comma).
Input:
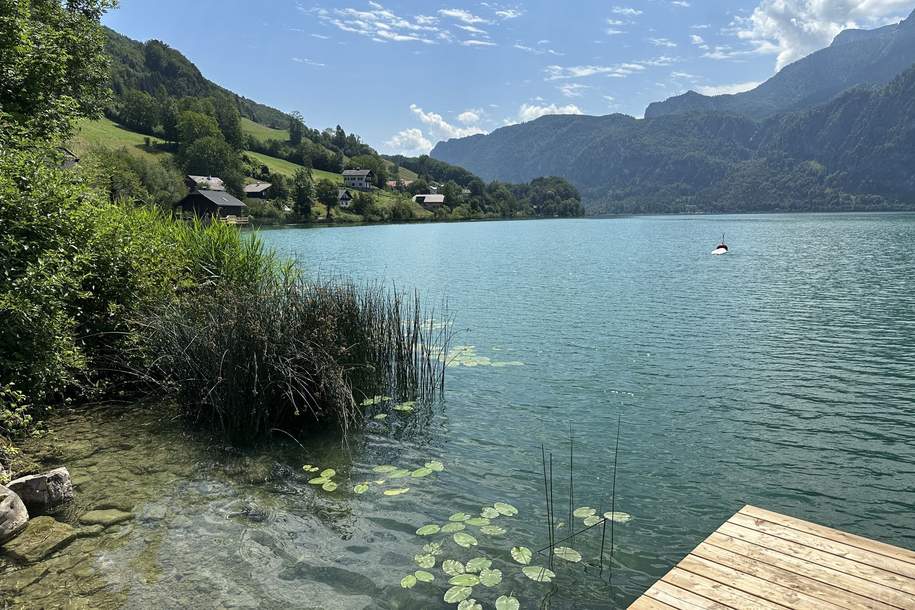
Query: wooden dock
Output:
(761,559)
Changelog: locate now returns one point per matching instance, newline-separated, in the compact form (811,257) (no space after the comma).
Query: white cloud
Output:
(320,36)
(535,51)
(529,112)
(792,29)
(625,10)
(554,72)
(683,76)
(681,3)
(306,61)
(662,42)
(509,13)
(378,23)
(572,89)
(440,127)
(469,117)
(410,141)
(473,42)
(696,39)
(461,15)
(472,29)
(727,89)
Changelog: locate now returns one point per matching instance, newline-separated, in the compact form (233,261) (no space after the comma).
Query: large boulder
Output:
(42,536)
(13,514)
(42,492)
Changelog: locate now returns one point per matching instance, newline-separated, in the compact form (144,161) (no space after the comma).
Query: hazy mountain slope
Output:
(856,57)
(854,152)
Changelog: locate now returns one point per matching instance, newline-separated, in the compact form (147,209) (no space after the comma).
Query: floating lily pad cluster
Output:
(394,473)
(401,407)
(590,517)
(325,479)
(466,355)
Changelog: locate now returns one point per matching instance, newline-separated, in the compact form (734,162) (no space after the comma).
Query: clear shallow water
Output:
(782,374)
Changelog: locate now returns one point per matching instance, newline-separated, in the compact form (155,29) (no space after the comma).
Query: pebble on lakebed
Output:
(106,517)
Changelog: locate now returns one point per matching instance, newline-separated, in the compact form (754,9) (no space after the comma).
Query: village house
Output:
(258,190)
(358,179)
(344,199)
(213,205)
(206,183)
(430,201)
(398,184)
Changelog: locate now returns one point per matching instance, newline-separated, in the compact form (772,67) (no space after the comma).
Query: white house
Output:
(358,179)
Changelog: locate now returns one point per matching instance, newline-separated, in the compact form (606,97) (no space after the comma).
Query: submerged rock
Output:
(90,531)
(13,514)
(41,537)
(42,492)
(105,517)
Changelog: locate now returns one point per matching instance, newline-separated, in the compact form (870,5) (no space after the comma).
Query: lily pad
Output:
(592,520)
(478,563)
(361,488)
(452,567)
(505,509)
(469,604)
(433,548)
(618,517)
(457,594)
(396,491)
(465,540)
(329,486)
(490,578)
(478,521)
(489,512)
(569,554)
(508,602)
(454,526)
(381,416)
(328,473)
(435,466)
(492,530)
(384,468)
(420,472)
(318,480)
(538,573)
(398,473)
(459,517)
(522,554)
(423,576)
(408,581)
(428,530)
(465,580)
(584,511)
(370,402)
(310,468)
(425,561)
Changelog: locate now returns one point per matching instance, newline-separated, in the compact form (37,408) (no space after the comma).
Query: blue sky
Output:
(405,75)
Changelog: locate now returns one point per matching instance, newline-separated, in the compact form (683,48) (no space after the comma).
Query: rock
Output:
(42,492)
(90,531)
(41,537)
(15,582)
(13,514)
(105,517)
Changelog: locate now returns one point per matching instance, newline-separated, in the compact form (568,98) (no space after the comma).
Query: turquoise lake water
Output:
(781,375)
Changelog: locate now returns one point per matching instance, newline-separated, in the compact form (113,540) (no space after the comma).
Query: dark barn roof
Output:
(211,200)
(357,172)
(257,187)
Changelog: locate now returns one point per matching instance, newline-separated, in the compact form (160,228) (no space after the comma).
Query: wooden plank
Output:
(836,548)
(717,591)
(753,585)
(682,599)
(647,603)
(831,534)
(879,584)
(779,575)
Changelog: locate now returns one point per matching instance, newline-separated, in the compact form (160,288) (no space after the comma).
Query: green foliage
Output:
(212,156)
(123,175)
(140,112)
(52,69)
(194,125)
(302,191)
(326,194)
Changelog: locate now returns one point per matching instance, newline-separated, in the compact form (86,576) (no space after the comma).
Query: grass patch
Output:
(105,132)
(287,168)
(262,132)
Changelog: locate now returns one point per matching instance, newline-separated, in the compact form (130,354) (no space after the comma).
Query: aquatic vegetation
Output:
(457,594)
(421,472)
(398,473)
(489,512)
(493,530)
(584,512)
(452,567)
(504,509)
(538,573)
(464,539)
(428,530)
(592,520)
(380,416)
(425,560)
(566,553)
(452,527)
(361,488)
(490,578)
(459,517)
(435,466)
(465,580)
(508,602)
(618,517)
(522,554)
(423,576)
(396,491)
(478,521)
(469,604)
(375,400)
(405,407)
(466,356)
(477,564)
(408,581)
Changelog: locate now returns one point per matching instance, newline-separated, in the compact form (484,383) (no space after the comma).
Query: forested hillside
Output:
(853,153)
(855,58)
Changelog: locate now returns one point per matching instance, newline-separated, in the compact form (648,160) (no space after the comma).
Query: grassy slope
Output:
(262,132)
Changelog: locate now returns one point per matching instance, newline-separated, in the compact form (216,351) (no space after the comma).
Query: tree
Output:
(296,128)
(302,192)
(212,156)
(140,111)
(169,118)
(229,121)
(193,126)
(53,67)
(326,193)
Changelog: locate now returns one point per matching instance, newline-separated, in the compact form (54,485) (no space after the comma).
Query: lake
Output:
(781,374)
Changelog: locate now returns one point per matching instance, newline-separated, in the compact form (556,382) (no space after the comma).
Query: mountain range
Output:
(833,131)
